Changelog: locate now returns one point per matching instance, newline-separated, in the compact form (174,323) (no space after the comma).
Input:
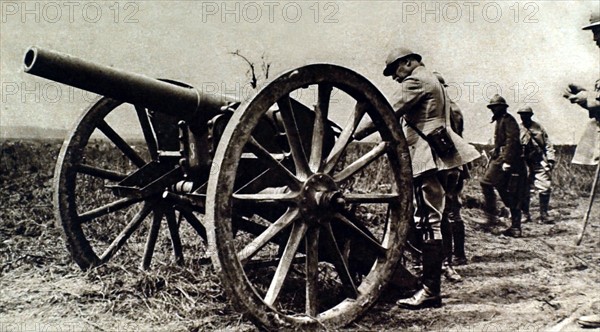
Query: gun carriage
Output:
(266,183)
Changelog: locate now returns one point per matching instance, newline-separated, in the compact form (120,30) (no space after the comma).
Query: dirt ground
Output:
(542,281)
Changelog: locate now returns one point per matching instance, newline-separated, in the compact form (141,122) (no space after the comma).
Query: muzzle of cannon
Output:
(304,228)
(178,100)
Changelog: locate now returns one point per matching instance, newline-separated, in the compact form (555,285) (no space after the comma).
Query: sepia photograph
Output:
(343,165)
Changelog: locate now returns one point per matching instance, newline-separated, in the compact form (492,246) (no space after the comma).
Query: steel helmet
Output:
(594,21)
(395,55)
(497,100)
(525,110)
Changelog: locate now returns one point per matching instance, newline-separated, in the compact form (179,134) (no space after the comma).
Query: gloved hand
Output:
(505,167)
(580,98)
(575,89)
(231,106)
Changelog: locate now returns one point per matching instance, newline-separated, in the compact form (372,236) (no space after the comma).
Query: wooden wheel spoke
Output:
(371,198)
(175,238)
(191,219)
(151,240)
(361,162)
(283,269)
(261,240)
(108,208)
(293,136)
(124,235)
(340,264)
(321,113)
(250,183)
(345,137)
(147,131)
(362,233)
(312,270)
(100,172)
(284,198)
(127,150)
(265,156)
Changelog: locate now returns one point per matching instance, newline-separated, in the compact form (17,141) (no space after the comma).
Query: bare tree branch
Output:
(254,80)
(264,66)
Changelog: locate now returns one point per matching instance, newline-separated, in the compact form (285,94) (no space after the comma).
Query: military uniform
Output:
(424,105)
(423,101)
(540,159)
(506,170)
(591,102)
(454,186)
(588,148)
(452,227)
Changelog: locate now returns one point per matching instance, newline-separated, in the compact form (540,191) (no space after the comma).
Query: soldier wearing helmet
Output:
(587,152)
(423,105)
(453,228)
(506,171)
(538,152)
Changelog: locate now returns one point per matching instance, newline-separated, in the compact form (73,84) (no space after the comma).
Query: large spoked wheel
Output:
(109,189)
(331,219)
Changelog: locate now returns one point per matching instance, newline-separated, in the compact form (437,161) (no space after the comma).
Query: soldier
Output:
(453,228)
(423,104)
(506,171)
(539,157)
(587,152)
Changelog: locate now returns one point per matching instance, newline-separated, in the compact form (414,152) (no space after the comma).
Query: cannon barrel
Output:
(154,94)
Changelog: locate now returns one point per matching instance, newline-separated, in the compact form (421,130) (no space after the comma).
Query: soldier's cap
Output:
(594,22)
(525,110)
(396,55)
(497,100)
(440,78)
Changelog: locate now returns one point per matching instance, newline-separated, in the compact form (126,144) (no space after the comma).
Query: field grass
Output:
(168,297)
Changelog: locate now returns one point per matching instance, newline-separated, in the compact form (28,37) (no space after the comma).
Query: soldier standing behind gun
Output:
(539,156)
(506,171)
(422,102)
(453,227)
(588,151)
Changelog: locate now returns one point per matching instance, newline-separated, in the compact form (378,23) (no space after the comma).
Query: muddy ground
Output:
(539,282)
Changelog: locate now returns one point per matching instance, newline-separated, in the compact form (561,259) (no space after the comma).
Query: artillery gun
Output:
(268,184)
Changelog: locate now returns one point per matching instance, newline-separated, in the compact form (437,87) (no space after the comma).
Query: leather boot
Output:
(526,217)
(591,321)
(544,204)
(489,204)
(525,207)
(450,273)
(458,237)
(428,296)
(423,298)
(446,229)
(515,228)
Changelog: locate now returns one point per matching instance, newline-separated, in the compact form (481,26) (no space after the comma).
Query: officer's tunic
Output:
(507,149)
(539,152)
(423,100)
(588,149)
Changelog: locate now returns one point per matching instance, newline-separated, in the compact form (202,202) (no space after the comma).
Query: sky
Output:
(528,51)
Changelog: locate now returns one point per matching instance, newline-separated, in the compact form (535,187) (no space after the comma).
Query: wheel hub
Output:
(320,198)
